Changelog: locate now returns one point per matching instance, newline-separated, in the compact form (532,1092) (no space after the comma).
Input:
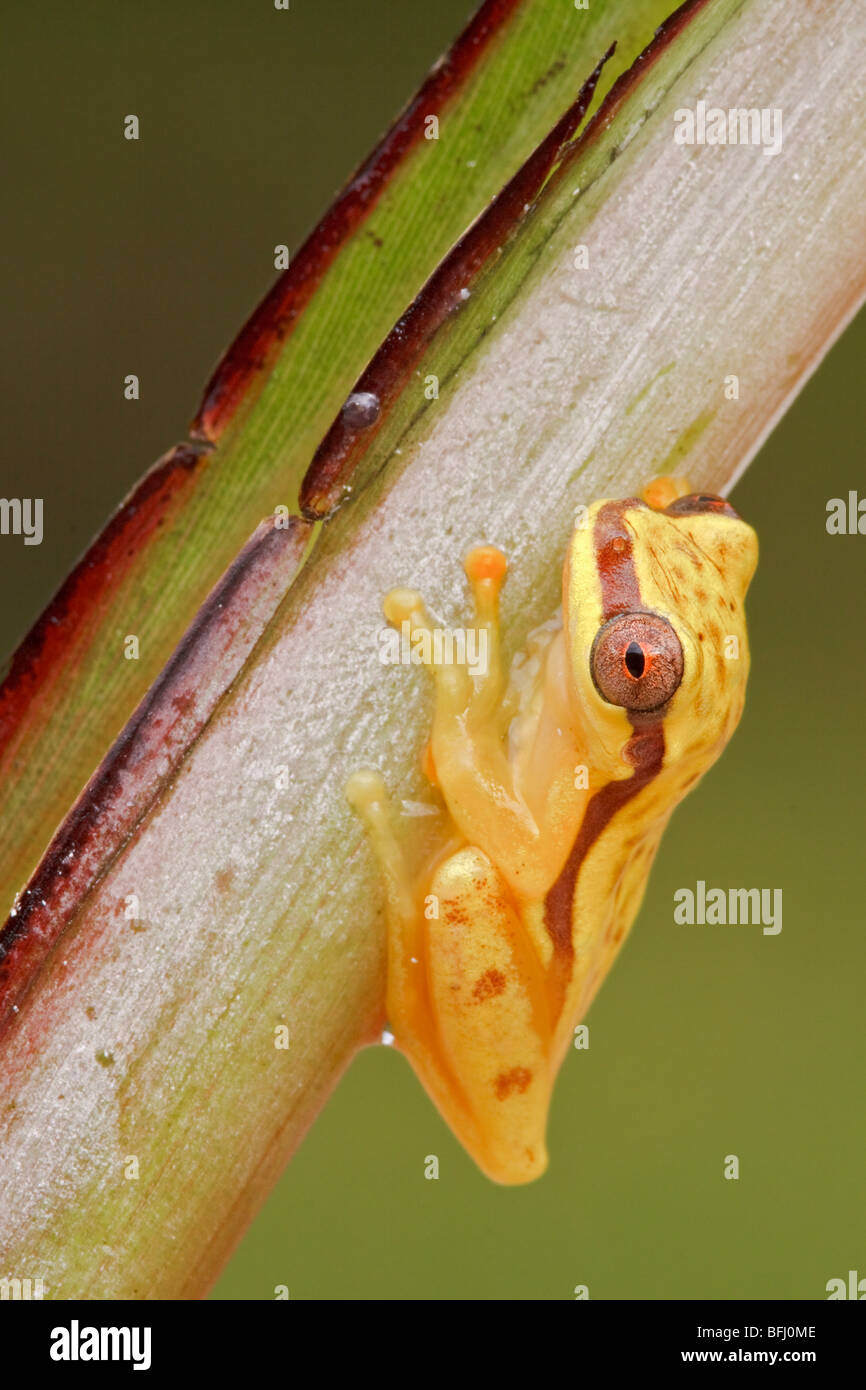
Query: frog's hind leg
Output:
(466,997)
(366,794)
(488,998)
(407,1003)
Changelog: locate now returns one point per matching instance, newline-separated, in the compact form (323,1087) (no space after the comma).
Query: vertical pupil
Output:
(634,660)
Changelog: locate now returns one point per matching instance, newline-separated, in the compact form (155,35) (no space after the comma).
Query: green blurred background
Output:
(707,1041)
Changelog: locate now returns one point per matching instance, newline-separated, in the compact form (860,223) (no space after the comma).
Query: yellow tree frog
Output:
(558,779)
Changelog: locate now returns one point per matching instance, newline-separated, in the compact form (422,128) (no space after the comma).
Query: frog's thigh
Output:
(489,1003)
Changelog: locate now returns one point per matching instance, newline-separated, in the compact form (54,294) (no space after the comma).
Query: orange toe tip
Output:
(485,562)
(660,492)
(399,604)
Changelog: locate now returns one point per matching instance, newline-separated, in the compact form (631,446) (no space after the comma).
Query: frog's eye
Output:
(637,661)
(697,502)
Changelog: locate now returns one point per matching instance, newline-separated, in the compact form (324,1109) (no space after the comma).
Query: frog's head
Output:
(655,629)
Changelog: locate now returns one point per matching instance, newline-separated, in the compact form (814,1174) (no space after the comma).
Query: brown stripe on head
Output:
(620,593)
(614,558)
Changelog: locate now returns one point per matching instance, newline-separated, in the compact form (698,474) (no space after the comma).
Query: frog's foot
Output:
(366,794)
(485,568)
(660,492)
(406,607)
(466,756)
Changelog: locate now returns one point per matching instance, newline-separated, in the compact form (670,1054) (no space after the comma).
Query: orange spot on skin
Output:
(509,1082)
(488,985)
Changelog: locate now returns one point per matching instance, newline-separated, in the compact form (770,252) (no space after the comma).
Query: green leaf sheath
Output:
(69,691)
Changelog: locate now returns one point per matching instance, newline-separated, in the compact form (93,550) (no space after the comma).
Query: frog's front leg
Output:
(469,760)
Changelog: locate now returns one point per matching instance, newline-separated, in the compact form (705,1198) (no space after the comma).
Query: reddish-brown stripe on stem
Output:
(620,593)
(50,645)
(669,30)
(255,346)
(338,455)
(148,751)
(335,459)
